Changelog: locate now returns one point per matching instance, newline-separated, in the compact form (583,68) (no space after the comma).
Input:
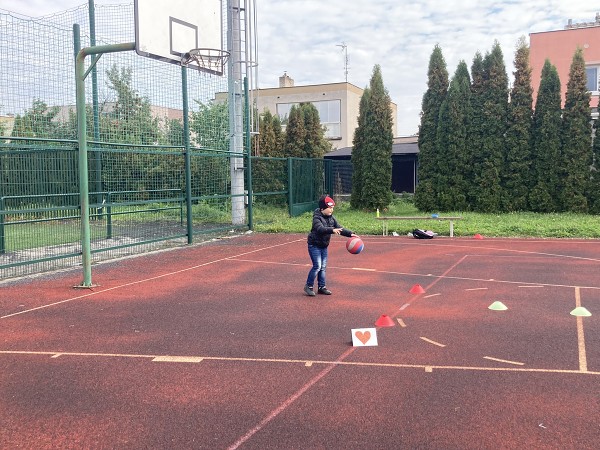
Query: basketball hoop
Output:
(208,59)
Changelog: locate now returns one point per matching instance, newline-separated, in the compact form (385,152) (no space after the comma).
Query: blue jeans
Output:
(318,256)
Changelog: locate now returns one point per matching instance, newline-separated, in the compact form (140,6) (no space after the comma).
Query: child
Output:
(323,226)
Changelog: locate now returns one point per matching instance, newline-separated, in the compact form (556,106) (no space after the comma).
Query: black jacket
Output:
(322,229)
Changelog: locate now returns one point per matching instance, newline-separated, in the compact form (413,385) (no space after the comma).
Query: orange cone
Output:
(384,321)
(478,236)
(417,289)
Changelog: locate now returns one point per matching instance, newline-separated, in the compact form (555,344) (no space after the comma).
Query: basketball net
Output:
(208,59)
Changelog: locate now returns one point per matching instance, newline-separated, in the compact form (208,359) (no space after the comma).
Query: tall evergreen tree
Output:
(475,128)
(269,137)
(315,143)
(452,142)
(577,137)
(517,176)
(377,150)
(490,195)
(546,143)
(358,149)
(295,134)
(437,87)
(594,186)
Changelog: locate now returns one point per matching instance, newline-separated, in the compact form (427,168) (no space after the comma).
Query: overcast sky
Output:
(304,38)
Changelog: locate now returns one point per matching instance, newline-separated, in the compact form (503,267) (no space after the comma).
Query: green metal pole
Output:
(187,155)
(2,228)
(248,154)
(290,184)
(95,109)
(84,201)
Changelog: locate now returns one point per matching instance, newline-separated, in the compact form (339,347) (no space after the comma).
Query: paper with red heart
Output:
(364,337)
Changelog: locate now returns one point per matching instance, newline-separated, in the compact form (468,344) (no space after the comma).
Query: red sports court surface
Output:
(216,346)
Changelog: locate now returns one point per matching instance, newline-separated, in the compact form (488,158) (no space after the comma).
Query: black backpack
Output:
(423,234)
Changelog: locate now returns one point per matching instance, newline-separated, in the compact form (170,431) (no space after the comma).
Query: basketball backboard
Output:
(168,29)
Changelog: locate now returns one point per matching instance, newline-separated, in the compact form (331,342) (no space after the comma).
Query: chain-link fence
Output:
(154,179)
(136,144)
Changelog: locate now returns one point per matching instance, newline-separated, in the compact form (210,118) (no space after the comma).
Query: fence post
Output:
(2,228)
(187,155)
(290,184)
(108,216)
(248,155)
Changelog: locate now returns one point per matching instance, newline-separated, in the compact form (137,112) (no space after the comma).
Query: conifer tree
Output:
(594,186)
(437,86)
(376,139)
(377,150)
(517,176)
(358,149)
(475,129)
(269,175)
(269,139)
(315,143)
(489,194)
(295,134)
(577,138)
(452,142)
(546,143)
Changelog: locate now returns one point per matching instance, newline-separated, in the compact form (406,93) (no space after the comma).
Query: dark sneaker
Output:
(323,290)
(309,291)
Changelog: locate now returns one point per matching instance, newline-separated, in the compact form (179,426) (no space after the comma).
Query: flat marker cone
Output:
(384,321)
(581,312)
(478,236)
(498,306)
(417,289)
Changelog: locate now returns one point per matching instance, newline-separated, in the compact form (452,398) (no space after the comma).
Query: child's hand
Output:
(337,230)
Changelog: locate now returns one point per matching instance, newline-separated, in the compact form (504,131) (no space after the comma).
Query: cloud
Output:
(302,38)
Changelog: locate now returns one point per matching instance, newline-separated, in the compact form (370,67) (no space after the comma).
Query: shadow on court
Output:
(216,346)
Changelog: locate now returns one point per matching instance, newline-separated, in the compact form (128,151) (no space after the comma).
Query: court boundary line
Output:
(304,362)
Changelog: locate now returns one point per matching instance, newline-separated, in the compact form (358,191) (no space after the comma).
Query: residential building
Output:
(337,104)
(559,46)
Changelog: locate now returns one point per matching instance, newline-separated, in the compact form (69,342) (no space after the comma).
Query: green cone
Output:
(581,312)
(498,306)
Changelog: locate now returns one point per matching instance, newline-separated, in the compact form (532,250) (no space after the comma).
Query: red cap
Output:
(326,202)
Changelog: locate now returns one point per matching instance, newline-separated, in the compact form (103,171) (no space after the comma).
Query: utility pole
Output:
(345,50)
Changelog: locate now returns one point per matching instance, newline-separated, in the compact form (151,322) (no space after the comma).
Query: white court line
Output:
(504,361)
(580,335)
(331,363)
(432,295)
(432,342)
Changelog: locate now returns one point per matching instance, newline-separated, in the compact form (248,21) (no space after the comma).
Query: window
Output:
(592,78)
(329,115)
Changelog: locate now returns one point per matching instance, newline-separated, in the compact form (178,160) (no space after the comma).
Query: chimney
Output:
(285,81)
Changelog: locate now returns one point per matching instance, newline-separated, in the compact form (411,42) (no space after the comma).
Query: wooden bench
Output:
(386,220)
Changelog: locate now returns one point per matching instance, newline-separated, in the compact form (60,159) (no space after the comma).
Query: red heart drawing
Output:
(363,337)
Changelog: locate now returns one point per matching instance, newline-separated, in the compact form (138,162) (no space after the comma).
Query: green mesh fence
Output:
(136,154)
(144,191)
